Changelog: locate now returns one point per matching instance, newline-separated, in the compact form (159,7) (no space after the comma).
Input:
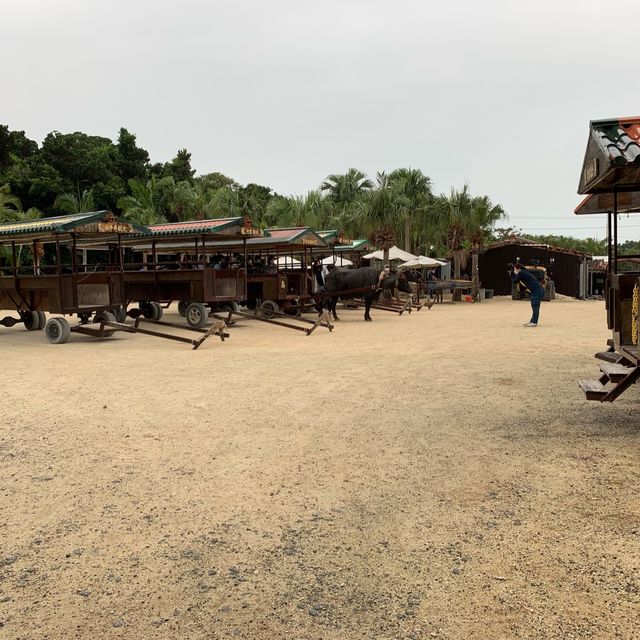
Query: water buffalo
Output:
(365,277)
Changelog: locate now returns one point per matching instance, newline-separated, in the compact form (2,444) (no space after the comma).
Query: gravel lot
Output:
(435,475)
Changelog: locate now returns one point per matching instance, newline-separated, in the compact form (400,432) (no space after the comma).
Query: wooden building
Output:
(570,270)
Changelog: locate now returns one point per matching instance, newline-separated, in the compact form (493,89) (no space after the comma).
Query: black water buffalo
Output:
(364,278)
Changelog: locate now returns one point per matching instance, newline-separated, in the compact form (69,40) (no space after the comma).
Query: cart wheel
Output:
(157,311)
(197,315)
(146,309)
(269,308)
(43,320)
(105,316)
(253,303)
(230,306)
(57,331)
(120,314)
(31,320)
(295,310)
(182,307)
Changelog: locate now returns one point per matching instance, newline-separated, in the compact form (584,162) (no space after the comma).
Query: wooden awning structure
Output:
(237,226)
(612,159)
(225,237)
(90,225)
(627,202)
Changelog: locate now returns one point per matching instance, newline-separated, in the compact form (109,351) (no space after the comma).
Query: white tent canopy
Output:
(337,261)
(422,262)
(394,254)
(288,261)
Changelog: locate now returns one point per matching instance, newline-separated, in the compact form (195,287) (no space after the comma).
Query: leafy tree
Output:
(10,205)
(180,167)
(345,189)
(465,223)
(71,203)
(145,204)
(311,210)
(482,217)
(376,213)
(213,181)
(413,195)
(504,233)
(80,159)
(131,161)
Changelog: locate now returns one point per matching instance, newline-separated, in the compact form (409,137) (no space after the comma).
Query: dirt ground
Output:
(435,475)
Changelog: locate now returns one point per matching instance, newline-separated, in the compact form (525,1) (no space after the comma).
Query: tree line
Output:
(76,172)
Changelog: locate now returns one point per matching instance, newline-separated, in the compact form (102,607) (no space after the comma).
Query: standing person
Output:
(385,273)
(320,273)
(520,274)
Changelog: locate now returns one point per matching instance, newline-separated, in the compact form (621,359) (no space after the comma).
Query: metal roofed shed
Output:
(568,269)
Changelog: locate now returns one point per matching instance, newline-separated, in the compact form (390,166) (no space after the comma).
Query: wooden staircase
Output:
(617,374)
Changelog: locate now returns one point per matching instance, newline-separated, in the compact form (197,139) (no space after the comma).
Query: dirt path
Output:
(436,475)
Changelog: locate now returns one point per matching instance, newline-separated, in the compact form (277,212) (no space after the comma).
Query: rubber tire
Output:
(269,308)
(197,315)
(229,306)
(147,309)
(182,307)
(120,314)
(294,311)
(57,331)
(31,320)
(158,311)
(108,317)
(43,320)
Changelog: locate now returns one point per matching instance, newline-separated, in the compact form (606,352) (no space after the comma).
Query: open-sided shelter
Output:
(568,269)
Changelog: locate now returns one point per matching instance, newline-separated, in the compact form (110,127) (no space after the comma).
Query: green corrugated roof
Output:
(195,227)
(55,225)
(355,245)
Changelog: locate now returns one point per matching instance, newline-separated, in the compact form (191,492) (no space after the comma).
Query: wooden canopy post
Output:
(15,259)
(615,232)
(609,254)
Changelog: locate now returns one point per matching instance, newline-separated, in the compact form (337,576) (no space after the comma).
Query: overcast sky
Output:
(283,93)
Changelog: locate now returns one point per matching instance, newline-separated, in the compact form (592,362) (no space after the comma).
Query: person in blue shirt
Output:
(520,274)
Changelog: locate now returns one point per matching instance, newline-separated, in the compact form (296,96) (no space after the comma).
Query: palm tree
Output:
(145,204)
(482,217)
(466,223)
(377,214)
(312,210)
(71,203)
(10,205)
(344,189)
(452,213)
(414,194)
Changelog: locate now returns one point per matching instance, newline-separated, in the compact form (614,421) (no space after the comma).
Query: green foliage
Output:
(131,161)
(71,203)
(180,167)
(145,205)
(79,172)
(345,189)
(587,245)
(10,205)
